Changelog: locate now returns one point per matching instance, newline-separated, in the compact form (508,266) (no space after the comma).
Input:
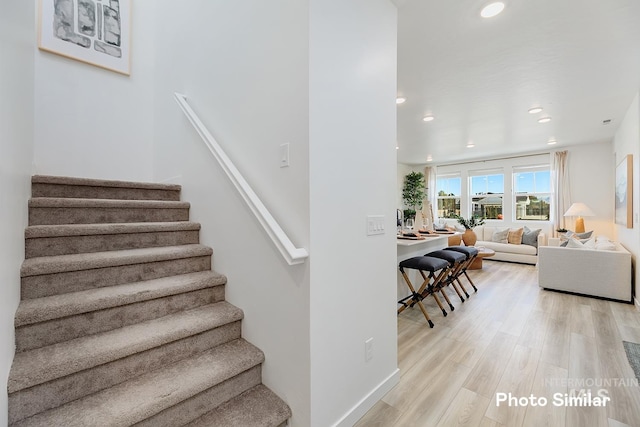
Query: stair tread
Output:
(91,182)
(44,364)
(64,230)
(257,407)
(62,202)
(144,396)
(87,261)
(36,310)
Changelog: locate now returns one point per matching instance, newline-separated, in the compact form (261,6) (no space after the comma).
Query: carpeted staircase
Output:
(122,321)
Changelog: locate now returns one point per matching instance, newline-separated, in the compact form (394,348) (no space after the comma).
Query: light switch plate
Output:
(284,155)
(375,224)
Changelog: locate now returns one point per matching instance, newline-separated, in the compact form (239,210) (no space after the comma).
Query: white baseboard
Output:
(367,402)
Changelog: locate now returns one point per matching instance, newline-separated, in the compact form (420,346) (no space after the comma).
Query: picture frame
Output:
(96,32)
(624,192)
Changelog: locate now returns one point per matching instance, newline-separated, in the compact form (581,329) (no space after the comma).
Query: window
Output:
(487,193)
(448,188)
(532,193)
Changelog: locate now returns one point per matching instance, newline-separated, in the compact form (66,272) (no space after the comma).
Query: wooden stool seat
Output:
(456,262)
(437,271)
(471,253)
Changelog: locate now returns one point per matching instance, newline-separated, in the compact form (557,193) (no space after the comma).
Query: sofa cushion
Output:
(515,236)
(530,237)
(508,248)
(500,236)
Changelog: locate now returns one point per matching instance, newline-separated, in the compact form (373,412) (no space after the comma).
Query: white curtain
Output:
(560,188)
(430,205)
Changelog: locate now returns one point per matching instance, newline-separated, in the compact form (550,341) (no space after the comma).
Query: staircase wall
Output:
(95,123)
(250,87)
(16,153)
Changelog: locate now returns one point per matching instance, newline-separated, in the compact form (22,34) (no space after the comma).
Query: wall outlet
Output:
(368,349)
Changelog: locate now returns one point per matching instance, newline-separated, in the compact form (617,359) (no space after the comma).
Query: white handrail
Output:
(290,253)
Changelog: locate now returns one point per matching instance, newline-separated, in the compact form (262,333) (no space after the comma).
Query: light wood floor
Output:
(513,337)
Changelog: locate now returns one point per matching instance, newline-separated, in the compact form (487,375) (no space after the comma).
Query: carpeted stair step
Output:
(44,321)
(44,364)
(59,186)
(163,390)
(46,276)
(257,407)
(49,240)
(32,400)
(51,211)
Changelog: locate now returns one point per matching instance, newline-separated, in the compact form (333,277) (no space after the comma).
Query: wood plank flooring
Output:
(512,337)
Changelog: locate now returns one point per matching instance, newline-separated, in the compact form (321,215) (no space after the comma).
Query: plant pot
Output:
(469,237)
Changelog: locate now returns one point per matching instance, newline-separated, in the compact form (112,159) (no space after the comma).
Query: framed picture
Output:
(624,192)
(97,32)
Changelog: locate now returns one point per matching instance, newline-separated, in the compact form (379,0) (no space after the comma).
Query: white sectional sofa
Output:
(591,272)
(506,251)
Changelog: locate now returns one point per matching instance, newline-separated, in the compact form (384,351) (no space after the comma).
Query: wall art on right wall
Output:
(624,192)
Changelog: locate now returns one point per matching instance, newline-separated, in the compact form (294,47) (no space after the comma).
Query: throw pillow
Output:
(585,235)
(575,244)
(530,237)
(514,236)
(565,236)
(605,246)
(500,236)
(589,244)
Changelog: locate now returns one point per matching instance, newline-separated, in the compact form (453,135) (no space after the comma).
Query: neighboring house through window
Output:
(532,193)
(487,194)
(449,189)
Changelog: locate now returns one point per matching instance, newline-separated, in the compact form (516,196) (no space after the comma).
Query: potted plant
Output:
(469,237)
(413,193)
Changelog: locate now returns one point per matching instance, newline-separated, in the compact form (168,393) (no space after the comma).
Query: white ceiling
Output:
(578,59)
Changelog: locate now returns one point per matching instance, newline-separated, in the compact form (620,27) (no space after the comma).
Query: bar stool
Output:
(471,254)
(456,261)
(438,270)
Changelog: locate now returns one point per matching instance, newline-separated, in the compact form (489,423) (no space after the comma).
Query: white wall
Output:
(94,123)
(627,141)
(352,174)
(244,68)
(16,153)
(591,173)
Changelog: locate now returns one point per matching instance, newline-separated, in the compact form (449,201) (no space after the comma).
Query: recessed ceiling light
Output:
(606,122)
(428,118)
(397,148)
(492,9)
(552,141)
(400,100)
(535,110)
(470,144)
(429,158)
(544,120)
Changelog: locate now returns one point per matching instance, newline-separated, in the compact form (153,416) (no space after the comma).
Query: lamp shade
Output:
(579,209)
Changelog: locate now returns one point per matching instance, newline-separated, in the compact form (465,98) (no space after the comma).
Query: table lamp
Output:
(579,210)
